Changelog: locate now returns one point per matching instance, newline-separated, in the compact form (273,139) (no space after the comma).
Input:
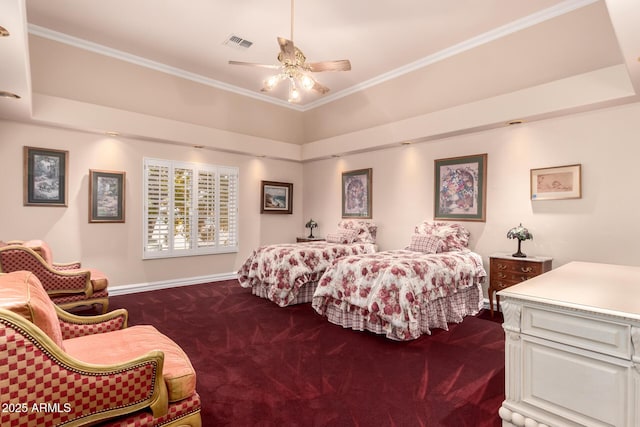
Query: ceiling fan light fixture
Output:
(294,93)
(271,82)
(307,82)
(293,66)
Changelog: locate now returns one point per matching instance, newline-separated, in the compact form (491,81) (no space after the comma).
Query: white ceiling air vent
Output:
(238,42)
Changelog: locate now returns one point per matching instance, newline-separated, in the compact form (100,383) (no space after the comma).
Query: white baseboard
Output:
(165,284)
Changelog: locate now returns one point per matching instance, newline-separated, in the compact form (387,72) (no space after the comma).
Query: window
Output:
(189,209)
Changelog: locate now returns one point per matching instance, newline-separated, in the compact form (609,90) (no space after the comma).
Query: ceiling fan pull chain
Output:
(291,20)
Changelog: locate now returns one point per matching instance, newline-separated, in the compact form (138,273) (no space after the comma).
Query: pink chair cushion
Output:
(22,293)
(123,345)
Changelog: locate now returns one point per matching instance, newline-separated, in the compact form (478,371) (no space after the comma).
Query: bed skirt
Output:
(305,293)
(436,314)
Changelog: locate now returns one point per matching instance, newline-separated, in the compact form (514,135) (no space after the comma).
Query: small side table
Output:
(309,239)
(506,270)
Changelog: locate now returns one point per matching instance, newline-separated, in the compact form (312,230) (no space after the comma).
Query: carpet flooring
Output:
(261,365)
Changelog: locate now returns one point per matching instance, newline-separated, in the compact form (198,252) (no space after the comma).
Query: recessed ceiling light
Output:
(4,94)
(198,146)
(112,133)
(406,143)
(4,32)
(515,122)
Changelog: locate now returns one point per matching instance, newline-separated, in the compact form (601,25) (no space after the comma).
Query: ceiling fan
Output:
(294,68)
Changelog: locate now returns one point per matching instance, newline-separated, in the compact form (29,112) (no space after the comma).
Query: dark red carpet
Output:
(262,365)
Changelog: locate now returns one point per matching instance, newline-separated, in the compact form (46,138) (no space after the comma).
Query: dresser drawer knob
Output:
(502,266)
(526,269)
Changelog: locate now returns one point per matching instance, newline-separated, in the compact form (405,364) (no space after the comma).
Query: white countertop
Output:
(606,288)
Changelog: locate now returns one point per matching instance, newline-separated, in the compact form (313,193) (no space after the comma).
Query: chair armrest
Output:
(115,390)
(62,266)
(73,326)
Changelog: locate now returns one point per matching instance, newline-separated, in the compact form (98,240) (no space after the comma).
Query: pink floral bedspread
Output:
(394,284)
(284,268)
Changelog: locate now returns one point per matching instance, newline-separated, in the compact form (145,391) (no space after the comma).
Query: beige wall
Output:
(117,248)
(602,226)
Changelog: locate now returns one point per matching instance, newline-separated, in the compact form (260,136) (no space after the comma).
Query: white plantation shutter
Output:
(228,211)
(189,209)
(182,208)
(156,208)
(207,209)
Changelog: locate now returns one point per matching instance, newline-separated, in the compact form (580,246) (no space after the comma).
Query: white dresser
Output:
(572,347)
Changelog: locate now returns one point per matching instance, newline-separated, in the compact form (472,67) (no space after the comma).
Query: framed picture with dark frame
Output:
(106,196)
(356,193)
(556,183)
(45,177)
(276,197)
(461,188)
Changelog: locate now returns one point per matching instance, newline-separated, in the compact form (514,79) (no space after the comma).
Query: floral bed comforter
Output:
(393,285)
(284,268)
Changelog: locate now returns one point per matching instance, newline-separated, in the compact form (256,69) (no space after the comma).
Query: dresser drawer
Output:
(500,284)
(593,334)
(513,268)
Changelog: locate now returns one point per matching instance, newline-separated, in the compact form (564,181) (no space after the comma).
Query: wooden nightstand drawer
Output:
(515,276)
(513,267)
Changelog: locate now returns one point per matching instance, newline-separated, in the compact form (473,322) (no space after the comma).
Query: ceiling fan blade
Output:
(320,88)
(340,65)
(251,64)
(287,50)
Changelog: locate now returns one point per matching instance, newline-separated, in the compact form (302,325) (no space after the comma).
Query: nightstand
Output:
(309,239)
(506,270)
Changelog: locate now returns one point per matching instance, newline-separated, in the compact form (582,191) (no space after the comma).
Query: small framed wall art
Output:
(276,197)
(45,178)
(356,194)
(556,183)
(461,188)
(106,196)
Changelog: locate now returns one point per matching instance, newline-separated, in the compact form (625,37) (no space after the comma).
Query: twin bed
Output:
(288,273)
(401,294)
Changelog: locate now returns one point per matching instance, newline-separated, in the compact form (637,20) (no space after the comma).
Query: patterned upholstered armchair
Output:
(69,285)
(57,368)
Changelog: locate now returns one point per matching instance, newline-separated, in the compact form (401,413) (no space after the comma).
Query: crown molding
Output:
(147,63)
(505,30)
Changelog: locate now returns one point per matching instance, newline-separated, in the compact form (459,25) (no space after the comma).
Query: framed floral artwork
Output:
(356,193)
(45,177)
(555,183)
(276,197)
(106,196)
(460,188)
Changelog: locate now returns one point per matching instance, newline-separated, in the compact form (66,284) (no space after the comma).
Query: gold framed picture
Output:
(556,183)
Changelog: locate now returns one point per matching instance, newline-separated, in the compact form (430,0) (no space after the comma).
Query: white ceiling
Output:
(382,39)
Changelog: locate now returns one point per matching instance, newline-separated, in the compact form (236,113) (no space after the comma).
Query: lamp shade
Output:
(520,233)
